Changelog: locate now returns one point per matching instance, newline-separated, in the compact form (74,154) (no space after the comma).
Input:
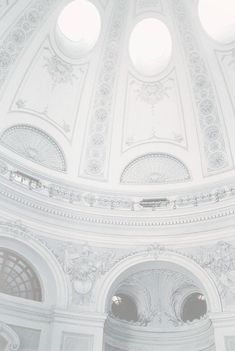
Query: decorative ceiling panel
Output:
(51,89)
(154,112)
(155,169)
(34,145)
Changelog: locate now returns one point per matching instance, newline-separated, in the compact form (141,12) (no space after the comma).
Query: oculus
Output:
(123,307)
(78,27)
(150,46)
(194,307)
(218,19)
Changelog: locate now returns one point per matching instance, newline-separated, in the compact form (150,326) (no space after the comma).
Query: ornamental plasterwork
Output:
(34,145)
(148,5)
(5,6)
(155,169)
(98,133)
(154,112)
(220,259)
(13,340)
(60,84)
(213,136)
(144,286)
(84,265)
(83,198)
(17,230)
(226,61)
(13,44)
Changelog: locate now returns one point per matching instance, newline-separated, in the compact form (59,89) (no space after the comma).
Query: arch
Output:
(17,276)
(206,280)
(34,145)
(155,168)
(12,339)
(16,237)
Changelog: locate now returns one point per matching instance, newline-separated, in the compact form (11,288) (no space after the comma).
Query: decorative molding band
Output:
(97,149)
(14,43)
(86,198)
(216,152)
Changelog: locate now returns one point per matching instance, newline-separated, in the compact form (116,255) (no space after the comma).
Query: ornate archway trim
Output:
(207,280)
(23,235)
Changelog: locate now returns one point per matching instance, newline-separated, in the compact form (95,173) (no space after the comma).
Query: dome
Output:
(117,190)
(92,91)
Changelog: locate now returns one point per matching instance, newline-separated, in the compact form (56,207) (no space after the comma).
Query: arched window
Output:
(17,277)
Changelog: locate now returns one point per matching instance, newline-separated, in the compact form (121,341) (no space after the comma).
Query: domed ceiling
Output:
(125,96)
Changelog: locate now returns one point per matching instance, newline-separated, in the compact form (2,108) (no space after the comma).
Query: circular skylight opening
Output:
(218,19)
(123,307)
(80,24)
(194,307)
(150,46)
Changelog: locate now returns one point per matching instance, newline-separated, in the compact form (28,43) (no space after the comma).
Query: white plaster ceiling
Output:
(100,114)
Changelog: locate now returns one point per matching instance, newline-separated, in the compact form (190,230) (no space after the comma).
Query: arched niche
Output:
(171,259)
(53,281)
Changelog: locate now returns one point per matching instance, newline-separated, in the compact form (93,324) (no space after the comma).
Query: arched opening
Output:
(18,277)
(170,303)
(38,278)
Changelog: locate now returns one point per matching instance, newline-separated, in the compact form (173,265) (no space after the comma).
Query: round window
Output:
(194,307)
(150,46)
(79,26)
(218,19)
(123,307)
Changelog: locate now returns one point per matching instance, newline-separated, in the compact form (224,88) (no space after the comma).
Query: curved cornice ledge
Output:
(33,206)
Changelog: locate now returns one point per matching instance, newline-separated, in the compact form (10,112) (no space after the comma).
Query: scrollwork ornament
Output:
(220,260)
